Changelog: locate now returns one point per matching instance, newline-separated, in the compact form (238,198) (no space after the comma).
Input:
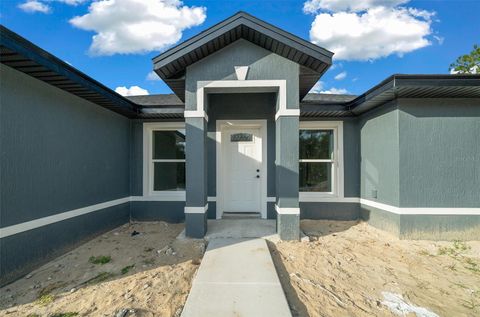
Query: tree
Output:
(467,64)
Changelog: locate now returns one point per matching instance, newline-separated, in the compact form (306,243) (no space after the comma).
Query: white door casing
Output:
(238,188)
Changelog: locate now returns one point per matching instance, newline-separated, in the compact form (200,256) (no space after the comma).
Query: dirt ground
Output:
(148,274)
(352,269)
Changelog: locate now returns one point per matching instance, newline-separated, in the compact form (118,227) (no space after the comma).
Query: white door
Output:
(242,170)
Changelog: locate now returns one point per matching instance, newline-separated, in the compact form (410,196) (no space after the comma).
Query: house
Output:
(241,133)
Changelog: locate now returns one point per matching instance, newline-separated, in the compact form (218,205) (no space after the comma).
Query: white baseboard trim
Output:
(307,199)
(196,210)
(33,224)
(421,210)
(287,210)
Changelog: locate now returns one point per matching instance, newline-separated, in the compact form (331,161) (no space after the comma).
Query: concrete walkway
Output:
(237,278)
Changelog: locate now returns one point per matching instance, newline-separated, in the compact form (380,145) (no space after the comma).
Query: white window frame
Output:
(337,160)
(148,161)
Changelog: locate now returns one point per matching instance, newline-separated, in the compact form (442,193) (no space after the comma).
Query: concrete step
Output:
(236,278)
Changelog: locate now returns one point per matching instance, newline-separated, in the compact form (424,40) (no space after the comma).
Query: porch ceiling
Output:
(313,60)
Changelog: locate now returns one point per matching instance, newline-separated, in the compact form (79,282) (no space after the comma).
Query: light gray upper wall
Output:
(379,154)
(58,152)
(263,65)
(439,152)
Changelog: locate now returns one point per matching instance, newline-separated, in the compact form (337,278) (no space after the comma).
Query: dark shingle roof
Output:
(157,100)
(312,59)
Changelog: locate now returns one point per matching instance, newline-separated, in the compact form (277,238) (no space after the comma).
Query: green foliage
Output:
(99,278)
(102,259)
(127,268)
(468,63)
(33,315)
(456,249)
(69,314)
(44,300)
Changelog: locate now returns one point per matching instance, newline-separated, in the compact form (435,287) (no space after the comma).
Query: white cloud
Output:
(132,91)
(335,91)
(317,87)
(153,76)
(312,6)
(137,26)
(375,33)
(32,6)
(72,2)
(341,76)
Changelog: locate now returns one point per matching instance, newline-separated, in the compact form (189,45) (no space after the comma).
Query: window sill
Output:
(318,197)
(166,195)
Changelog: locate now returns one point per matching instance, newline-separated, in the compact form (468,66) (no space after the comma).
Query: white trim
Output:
(326,199)
(241,72)
(162,196)
(196,210)
(287,211)
(220,173)
(245,86)
(420,210)
(271,199)
(212,198)
(40,222)
(148,128)
(287,113)
(337,166)
(195,114)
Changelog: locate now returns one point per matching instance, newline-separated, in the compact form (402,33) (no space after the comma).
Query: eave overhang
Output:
(26,57)
(313,60)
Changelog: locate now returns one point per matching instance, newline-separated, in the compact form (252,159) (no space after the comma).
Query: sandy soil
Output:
(352,269)
(149,274)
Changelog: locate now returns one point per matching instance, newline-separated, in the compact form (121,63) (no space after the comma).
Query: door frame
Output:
(221,173)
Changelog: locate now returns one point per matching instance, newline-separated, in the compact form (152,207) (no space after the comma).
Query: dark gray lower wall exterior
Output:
(25,251)
(381,219)
(58,153)
(329,211)
(440,227)
(196,225)
(170,211)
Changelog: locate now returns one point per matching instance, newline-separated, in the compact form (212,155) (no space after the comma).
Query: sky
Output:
(113,41)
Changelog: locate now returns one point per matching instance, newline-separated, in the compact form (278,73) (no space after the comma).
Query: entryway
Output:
(241,168)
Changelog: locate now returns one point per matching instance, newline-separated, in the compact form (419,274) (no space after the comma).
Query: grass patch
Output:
(100,278)
(127,268)
(46,299)
(69,314)
(33,315)
(456,249)
(102,259)
(148,249)
(471,265)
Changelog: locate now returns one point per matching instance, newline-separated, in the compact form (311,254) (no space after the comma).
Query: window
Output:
(320,159)
(164,158)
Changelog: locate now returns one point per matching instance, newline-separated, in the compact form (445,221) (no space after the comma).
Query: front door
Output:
(242,169)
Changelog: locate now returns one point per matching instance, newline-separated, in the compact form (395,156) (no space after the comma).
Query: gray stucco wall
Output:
(379,155)
(439,152)
(263,65)
(58,153)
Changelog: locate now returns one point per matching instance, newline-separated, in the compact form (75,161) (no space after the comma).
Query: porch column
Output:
(286,163)
(196,177)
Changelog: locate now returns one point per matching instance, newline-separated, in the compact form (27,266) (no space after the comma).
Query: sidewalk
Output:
(236,278)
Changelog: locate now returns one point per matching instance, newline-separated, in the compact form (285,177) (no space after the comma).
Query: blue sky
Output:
(438,31)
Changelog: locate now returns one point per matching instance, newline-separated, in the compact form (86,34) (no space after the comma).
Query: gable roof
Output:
(313,60)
